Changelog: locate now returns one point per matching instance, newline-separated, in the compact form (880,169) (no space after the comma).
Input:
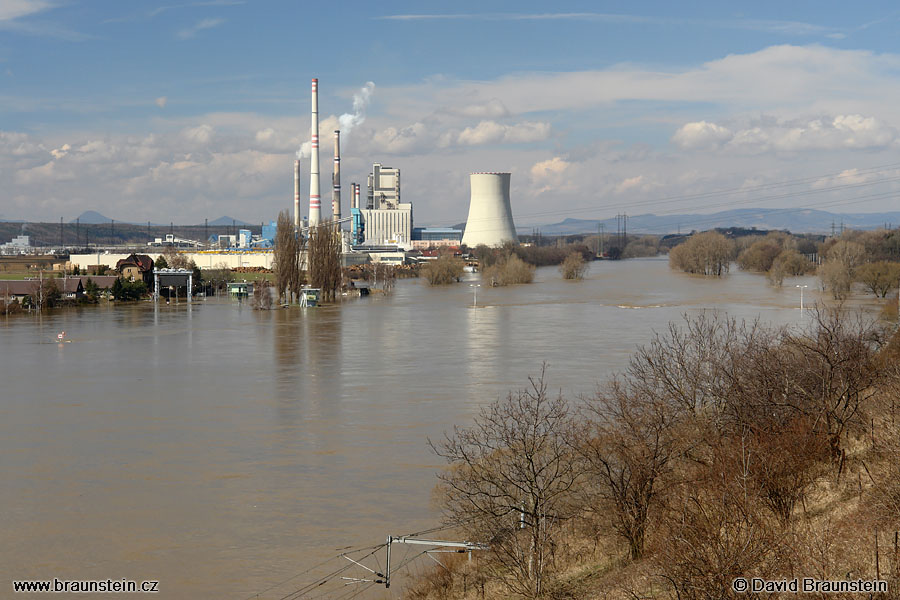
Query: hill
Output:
(793,220)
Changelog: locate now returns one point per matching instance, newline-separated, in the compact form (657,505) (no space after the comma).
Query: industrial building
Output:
(490,220)
(434,237)
(385,220)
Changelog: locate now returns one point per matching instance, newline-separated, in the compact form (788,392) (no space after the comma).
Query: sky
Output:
(180,111)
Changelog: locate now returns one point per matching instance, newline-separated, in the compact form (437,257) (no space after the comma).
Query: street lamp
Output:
(474,287)
(801,297)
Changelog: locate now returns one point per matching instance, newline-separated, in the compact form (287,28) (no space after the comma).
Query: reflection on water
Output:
(220,449)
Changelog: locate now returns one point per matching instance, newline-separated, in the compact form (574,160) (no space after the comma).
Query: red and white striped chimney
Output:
(296,193)
(315,202)
(336,180)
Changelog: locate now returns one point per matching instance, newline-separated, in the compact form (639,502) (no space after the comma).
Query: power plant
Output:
(490,220)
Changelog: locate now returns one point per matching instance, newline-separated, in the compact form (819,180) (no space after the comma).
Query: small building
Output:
(69,288)
(136,267)
(240,289)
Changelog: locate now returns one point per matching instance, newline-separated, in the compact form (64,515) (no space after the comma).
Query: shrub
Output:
(445,269)
(574,266)
(707,253)
(509,271)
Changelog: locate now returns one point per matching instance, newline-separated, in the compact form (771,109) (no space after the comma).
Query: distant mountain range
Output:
(793,220)
(92,217)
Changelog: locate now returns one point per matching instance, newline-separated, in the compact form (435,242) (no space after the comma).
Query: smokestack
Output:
(315,202)
(336,181)
(356,195)
(296,194)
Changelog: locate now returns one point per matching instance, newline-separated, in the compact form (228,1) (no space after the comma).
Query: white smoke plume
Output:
(360,102)
(347,121)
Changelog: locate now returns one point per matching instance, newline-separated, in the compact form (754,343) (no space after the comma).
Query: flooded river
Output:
(221,450)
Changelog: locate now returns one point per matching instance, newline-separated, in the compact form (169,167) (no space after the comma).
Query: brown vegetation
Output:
(324,260)
(725,450)
(707,253)
(574,267)
(443,270)
(287,259)
(509,270)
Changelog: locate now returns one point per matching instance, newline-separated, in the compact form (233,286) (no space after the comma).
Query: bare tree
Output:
(324,260)
(287,258)
(707,253)
(511,480)
(262,295)
(574,266)
(628,444)
(716,529)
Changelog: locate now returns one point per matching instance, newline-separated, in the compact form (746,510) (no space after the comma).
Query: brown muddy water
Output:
(221,450)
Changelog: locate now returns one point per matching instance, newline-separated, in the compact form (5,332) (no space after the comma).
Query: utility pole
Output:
(624,231)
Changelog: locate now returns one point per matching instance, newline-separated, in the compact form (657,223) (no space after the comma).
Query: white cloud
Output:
(200,135)
(162,101)
(492,132)
(768,26)
(191,31)
(16,9)
(701,135)
(834,133)
(552,174)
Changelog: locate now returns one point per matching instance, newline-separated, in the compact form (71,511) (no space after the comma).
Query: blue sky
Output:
(182,111)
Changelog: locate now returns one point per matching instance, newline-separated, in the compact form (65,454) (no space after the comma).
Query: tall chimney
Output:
(356,195)
(336,181)
(297,194)
(315,202)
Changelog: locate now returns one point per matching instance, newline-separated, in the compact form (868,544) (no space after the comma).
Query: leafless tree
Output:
(324,260)
(287,258)
(262,295)
(628,444)
(716,529)
(510,482)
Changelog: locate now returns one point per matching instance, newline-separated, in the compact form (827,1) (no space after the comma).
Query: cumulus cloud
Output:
(199,26)
(551,174)
(162,101)
(834,133)
(492,132)
(200,135)
(701,135)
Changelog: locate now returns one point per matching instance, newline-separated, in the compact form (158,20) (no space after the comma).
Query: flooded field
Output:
(221,450)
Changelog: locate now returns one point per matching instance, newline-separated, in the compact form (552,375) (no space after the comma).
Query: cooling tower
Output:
(490,219)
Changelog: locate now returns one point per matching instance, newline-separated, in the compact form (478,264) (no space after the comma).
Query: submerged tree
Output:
(324,260)
(287,258)
(707,253)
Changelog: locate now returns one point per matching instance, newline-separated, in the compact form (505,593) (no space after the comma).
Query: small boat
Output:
(61,336)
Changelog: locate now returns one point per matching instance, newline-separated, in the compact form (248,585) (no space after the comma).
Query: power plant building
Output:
(385,220)
(490,220)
